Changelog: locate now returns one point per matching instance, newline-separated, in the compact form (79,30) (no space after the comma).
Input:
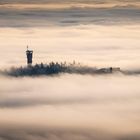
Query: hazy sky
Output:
(68,1)
(101,33)
(23,14)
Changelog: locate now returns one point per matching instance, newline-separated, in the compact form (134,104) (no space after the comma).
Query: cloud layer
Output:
(55,134)
(60,14)
(69,107)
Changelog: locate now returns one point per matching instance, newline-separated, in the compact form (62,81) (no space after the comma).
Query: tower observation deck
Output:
(29,54)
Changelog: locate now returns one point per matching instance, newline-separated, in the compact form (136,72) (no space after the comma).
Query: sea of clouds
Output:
(84,107)
(70,106)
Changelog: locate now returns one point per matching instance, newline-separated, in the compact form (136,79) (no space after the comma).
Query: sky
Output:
(67,13)
(102,33)
(96,33)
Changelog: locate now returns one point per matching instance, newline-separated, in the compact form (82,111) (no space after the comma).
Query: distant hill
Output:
(57,68)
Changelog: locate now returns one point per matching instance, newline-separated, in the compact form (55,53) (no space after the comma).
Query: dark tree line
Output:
(56,68)
(42,69)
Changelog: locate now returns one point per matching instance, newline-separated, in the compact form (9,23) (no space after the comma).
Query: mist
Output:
(70,106)
(71,91)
